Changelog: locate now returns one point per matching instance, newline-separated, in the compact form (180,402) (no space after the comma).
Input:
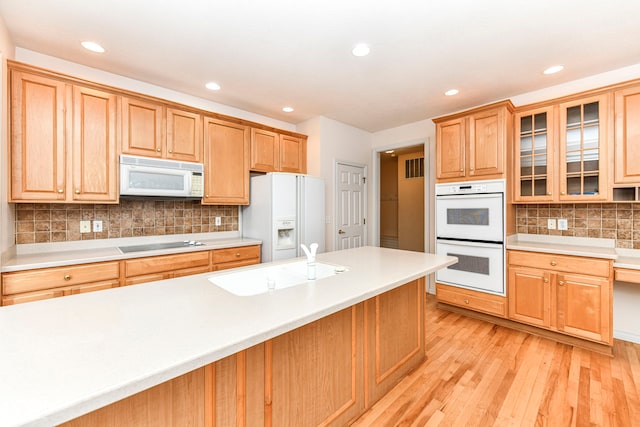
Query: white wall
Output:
(104,77)
(333,141)
(7,222)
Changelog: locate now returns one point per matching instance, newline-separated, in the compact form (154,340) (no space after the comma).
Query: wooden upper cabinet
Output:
(450,148)
(627,135)
(473,144)
(184,135)
(37,138)
(142,128)
(265,150)
(271,152)
(583,160)
(94,158)
(535,172)
(293,154)
(226,164)
(63,142)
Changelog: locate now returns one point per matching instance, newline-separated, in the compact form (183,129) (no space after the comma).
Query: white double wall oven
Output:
(470,225)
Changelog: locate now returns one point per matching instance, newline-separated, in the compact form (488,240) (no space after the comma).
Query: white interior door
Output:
(350,207)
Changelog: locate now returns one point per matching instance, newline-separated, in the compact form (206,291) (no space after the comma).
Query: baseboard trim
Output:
(626,336)
(555,336)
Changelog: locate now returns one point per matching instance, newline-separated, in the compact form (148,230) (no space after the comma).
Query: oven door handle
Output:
(469,196)
(469,243)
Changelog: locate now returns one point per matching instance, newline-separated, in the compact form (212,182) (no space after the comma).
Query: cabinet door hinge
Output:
(364,221)
(364,180)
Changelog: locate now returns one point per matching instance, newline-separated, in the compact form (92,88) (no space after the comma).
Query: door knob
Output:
(341,232)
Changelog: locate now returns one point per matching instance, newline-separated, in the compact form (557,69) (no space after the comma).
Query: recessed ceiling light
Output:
(287,109)
(92,46)
(389,151)
(212,86)
(554,69)
(452,92)
(361,50)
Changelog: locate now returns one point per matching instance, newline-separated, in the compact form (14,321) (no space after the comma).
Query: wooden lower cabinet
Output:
(224,259)
(571,295)
(472,300)
(45,283)
(325,373)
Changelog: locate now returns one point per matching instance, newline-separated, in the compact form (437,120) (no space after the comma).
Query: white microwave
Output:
(143,176)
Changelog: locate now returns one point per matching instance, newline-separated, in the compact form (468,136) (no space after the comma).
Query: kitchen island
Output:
(186,348)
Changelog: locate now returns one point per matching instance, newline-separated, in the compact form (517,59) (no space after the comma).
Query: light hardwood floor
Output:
(479,374)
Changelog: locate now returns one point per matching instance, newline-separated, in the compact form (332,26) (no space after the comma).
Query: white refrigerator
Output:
(285,210)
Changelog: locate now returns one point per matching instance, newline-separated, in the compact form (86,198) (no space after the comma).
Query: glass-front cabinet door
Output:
(534,135)
(583,152)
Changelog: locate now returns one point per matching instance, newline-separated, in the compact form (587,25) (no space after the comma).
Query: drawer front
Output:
(477,301)
(235,264)
(57,292)
(236,254)
(48,278)
(570,264)
(628,275)
(166,263)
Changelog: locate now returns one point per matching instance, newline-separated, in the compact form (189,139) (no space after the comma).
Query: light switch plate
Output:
(551,224)
(563,224)
(218,221)
(97,226)
(85,226)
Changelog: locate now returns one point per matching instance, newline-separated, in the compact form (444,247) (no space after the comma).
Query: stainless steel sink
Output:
(157,246)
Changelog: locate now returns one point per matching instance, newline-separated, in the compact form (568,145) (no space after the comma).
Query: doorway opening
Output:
(402,204)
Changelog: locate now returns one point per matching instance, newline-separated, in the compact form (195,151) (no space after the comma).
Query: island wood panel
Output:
(316,372)
(175,403)
(394,342)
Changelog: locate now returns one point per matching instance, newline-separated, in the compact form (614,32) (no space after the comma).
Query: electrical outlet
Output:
(85,226)
(97,226)
(218,221)
(551,224)
(563,224)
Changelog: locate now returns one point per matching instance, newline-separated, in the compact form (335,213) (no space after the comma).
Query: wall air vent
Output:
(414,168)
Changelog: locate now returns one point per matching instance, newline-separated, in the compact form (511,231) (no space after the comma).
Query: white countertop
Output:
(576,246)
(67,356)
(87,251)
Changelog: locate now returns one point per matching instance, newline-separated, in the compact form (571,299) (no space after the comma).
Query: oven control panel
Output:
(492,186)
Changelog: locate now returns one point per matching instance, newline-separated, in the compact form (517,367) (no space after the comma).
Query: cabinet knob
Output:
(237,254)
(553,263)
(563,193)
(461,170)
(466,301)
(60,190)
(158,150)
(471,169)
(546,280)
(67,277)
(561,283)
(77,191)
(549,193)
(170,151)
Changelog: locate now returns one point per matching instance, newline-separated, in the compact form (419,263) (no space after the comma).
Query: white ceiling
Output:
(268,54)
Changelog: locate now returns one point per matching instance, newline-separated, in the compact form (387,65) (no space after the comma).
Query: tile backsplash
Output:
(43,222)
(619,221)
